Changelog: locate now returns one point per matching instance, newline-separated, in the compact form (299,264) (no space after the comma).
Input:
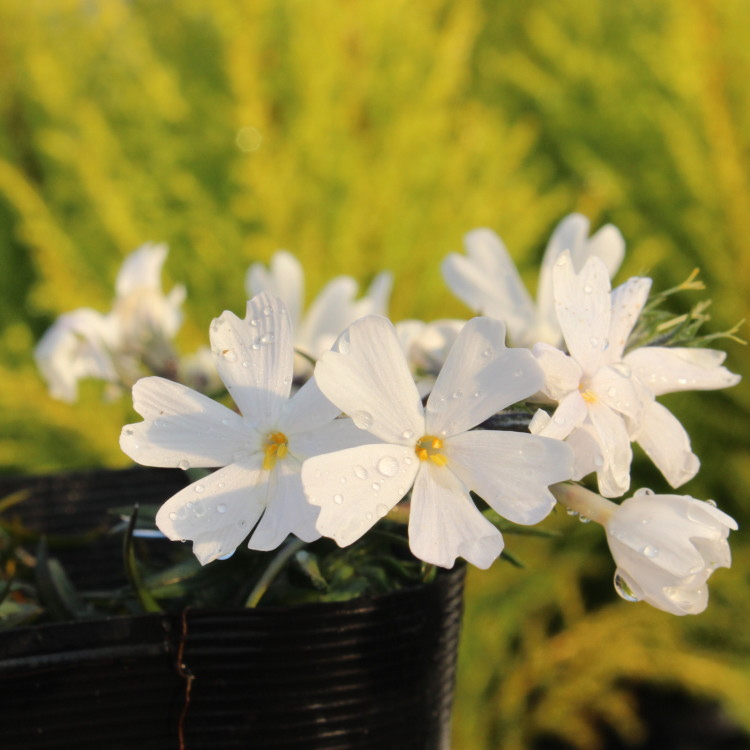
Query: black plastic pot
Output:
(367,674)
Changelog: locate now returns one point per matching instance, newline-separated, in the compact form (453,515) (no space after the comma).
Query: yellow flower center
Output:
(589,396)
(277,446)
(428,448)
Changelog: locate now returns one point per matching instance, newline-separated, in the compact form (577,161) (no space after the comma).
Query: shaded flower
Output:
(666,547)
(329,314)
(432,449)
(487,280)
(260,450)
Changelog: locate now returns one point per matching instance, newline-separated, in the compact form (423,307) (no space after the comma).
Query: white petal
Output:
(369,380)
(375,301)
(570,413)
(583,309)
(183,428)
(307,410)
(333,436)
(285,280)
(587,454)
(611,434)
(328,315)
(480,376)
(445,524)
(562,373)
(488,281)
(613,386)
(357,486)
(608,244)
(218,511)
(142,268)
(511,471)
(628,300)
(255,357)
(570,234)
(667,369)
(666,443)
(287,510)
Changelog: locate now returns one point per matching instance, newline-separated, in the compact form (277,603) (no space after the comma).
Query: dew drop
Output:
(712,503)
(408,460)
(375,486)
(268,338)
(254,323)
(221,508)
(363,419)
(221,485)
(571,512)
(598,461)
(360,472)
(381,510)
(199,488)
(487,352)
(184,464)
(172,516)
(623,589)
(188,505)
(612,391)
(368,516)
(256,343)
(594,341)
(388,466)
(584,519)
(476,394)
(558,419)
(650,551)
(229,355)
(643,491)
(342,480)
(245,363)
(267,311)
(225,422)
(457,394)
(338,499)
(562,261)
(587,289)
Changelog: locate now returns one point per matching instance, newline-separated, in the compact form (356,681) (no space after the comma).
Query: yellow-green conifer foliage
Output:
(370,135)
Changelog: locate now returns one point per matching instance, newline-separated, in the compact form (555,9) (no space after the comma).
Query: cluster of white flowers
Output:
(390,412)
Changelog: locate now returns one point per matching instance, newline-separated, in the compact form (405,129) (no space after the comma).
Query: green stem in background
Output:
(279,560)
(584,502)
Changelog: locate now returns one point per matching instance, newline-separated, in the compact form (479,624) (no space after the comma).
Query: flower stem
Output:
(584,502)
(274,568)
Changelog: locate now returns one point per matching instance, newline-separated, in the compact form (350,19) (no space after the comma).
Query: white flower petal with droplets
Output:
(480,376)
(614,441)
(183,428)
(613,386)
(570,413)
(628,300)
(307,410)
(368,379)
(583,308)
(255,357)
(562,373)
(445,524)
(217,512)
(667,370)
(287,510)
(355,487)
(334,436)
(666,443)
(511,471)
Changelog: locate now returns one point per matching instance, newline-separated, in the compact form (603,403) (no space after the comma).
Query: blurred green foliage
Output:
(373,135)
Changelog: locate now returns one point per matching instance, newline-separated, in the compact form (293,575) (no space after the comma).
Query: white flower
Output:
(488,282)
(432,448)
(75,347)
(666,547)
(261,449)
(116,346)
(426,346)
(605,397)
(330,313)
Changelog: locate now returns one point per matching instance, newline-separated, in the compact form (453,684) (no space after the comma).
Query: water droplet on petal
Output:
(711,503)
(381,510)
(229,355)
(584,519)
(598,461)
(256,344)
(172,516)
(245,363)
(338,499)
(407,434)
(388,466)
(562,261)
(267,311)
(594,341)
(363,419)
(375,486)
(407,460)
(571,512)
(650,551)
(558,419)
(221,508)
(268,338)
(360,472)
(643,491)
(199,488)
(587,289)
(184,464)
(487,352)
(622,588)
(342,480)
